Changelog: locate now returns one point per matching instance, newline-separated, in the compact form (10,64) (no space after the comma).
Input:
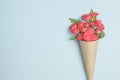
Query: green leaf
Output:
(73,20)
(73,38)
(102,35)
(91,11)
(94,27)
(94,19)
(90,20)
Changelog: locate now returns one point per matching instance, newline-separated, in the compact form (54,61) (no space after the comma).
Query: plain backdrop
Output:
(35,45)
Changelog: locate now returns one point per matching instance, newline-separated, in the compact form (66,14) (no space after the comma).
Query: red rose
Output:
(73,27)
(94,14)
(87,36)
(94,37)
(80,24)
(83,29)
(90,30)
(92,24)
(75,31)
(86,17)
(98,21)
(87,24)
(100,26)
(90,37)
(80,36)
(98,31)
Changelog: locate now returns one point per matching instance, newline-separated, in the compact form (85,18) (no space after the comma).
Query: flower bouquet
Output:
(88,31)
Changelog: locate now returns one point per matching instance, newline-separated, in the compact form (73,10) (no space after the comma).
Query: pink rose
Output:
(80,24)
(80,36)
(94,37)
(86,17)
(98,31)
(92,24)
(98,21)
(76,31)
(90,30)
(73,27)
(100,26)
(83,29)
(87,24)
(94,14)
(87,36)
(90,37)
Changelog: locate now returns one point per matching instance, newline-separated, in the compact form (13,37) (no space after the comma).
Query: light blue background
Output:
(35,45)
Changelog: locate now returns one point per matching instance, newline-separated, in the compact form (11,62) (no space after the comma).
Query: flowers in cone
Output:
(90,29)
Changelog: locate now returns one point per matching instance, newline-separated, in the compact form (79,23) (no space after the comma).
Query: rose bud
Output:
(86,17)
(94,14)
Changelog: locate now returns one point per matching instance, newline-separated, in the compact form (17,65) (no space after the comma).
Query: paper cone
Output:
(89,51)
